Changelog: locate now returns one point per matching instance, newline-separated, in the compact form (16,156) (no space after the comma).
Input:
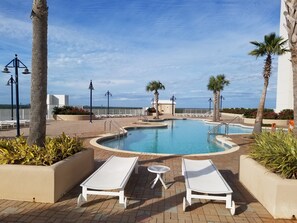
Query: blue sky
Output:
(123,45)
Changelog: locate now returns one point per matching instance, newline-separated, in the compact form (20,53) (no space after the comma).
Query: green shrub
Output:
(235,110)
(286,114)
(277,151)
(69,110)
(250,113)
(17,151)
(151,110)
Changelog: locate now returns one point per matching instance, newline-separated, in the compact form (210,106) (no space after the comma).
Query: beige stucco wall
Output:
(73,117)
(277,195)
(166,108)
(230,115)
(45,183)
(251,121)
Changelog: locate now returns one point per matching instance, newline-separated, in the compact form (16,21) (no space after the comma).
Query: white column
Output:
(284,93)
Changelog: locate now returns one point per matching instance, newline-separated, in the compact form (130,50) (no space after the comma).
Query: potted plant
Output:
(269,172)
(151,111)
(31,173)
(269,116)
(70,113)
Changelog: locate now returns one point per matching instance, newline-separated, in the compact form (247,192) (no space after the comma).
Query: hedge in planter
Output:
(69,110)
(30,173)
(17,151)
(277,151)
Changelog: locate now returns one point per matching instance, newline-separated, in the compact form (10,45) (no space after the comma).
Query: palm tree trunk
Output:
(214,116)
(37,129)
(157,104)
(218,106)
(260,111)
(294,66)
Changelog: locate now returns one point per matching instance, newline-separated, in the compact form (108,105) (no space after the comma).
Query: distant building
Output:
(55,101)
(284,92)
(165,106)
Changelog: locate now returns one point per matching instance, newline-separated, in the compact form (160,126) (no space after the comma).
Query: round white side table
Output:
(159,170)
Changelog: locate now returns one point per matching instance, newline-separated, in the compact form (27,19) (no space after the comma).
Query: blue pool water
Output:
(180,137)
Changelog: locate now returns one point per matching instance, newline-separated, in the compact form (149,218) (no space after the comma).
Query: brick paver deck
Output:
(144,204)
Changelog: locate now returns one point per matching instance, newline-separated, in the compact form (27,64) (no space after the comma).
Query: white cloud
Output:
(122,45)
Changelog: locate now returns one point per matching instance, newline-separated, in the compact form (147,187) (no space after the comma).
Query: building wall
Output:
(165,107)
(284,93)
(55,100)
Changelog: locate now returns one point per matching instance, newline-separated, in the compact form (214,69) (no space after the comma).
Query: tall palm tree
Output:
(154,86)
(222,83)
(216,85)
(272,45)
(39,16)
(291,22)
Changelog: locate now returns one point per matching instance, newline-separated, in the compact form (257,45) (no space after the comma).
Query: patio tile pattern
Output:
(144,204)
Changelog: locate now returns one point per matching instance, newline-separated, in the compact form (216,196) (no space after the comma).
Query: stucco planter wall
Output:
(251,121)
(45,183)
(276,194)
(230,115)
(72,117)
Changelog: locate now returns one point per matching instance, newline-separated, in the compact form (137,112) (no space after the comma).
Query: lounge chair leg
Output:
(184,204)
(80,200)
(232,210)
(121,197)
(125,203)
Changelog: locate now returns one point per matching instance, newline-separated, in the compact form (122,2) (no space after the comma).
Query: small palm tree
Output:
(291,21)
(216,85)
(37,129)
(272,45)
(154,86)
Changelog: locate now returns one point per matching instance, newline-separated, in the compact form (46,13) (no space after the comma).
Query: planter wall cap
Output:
(72,117)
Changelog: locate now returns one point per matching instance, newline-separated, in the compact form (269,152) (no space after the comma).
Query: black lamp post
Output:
(222,98)
(16,63)
(108,94)
(10,83)
(173,99)
(209,100)
(91,88)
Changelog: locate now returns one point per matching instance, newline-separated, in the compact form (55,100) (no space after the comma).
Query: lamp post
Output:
(16,63)
(209,100)
(222,98)
(173,99)
(108,94)
(91,88)
(10,83)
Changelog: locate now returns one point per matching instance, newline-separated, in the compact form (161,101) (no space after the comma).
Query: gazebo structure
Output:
(166,106)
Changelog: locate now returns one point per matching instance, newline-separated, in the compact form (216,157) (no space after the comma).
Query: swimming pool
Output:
(180,137)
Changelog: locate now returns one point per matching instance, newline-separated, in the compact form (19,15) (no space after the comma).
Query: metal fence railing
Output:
(5,113)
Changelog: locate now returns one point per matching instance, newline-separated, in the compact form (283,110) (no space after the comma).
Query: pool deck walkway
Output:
(144,204)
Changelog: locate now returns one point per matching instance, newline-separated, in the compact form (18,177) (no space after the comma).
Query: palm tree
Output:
(154,86)
(291,21)
(39,16)
(216,85)
(272,45)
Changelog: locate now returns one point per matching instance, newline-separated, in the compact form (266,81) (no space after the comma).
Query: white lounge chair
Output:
(112,175)
(203,178)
